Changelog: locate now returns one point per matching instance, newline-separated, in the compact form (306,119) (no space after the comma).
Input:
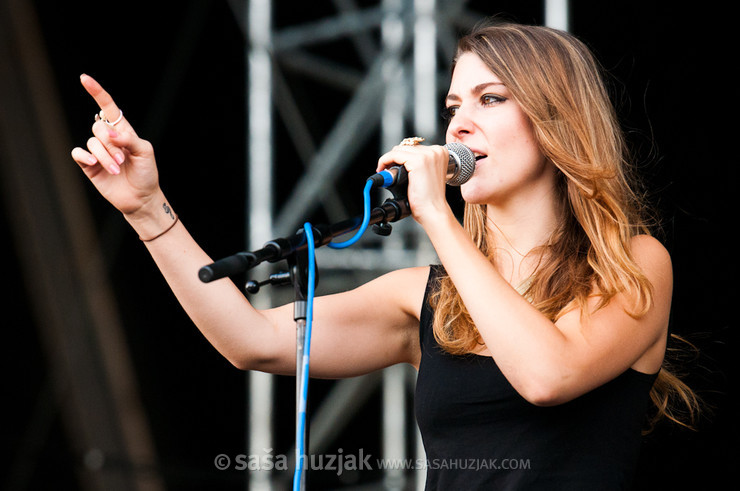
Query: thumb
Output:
(129,141)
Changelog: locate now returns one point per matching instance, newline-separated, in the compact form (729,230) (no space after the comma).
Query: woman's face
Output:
(484,116)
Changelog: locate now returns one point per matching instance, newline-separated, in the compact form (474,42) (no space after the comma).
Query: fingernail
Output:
(112,133)
(114,169)
(119,158)
(92,160)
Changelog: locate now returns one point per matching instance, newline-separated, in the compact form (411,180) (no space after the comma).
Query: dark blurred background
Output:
(178,70)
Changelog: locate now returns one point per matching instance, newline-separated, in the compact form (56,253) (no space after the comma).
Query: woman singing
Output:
(542,332)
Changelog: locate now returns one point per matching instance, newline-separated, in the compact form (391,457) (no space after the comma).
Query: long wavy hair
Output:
(559,85)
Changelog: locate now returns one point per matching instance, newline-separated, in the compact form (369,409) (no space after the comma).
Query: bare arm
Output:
(352,334)
(551,363)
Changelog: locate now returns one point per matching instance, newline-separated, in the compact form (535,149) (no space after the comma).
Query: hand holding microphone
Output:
(460,168)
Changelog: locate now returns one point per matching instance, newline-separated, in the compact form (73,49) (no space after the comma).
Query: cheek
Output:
(518,139)
(520,151)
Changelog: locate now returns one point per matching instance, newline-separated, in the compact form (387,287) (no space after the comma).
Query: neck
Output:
(518,229)
(520,232)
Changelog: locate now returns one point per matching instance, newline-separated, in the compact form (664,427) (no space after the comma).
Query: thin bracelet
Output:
(177,217)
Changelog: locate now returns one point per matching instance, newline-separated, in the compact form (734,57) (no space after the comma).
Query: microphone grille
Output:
(465,163)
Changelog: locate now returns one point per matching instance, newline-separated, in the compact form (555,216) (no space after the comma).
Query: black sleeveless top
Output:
(479,433)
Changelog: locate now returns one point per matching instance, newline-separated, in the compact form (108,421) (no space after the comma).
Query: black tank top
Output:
(479,433)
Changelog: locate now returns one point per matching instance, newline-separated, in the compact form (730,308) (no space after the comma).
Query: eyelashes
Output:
(486,100)
(448,113)
(492,99)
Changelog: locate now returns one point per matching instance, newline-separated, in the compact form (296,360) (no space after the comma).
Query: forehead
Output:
(470,72)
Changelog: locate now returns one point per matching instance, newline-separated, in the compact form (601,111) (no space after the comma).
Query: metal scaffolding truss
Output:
(398,42)
(398,94)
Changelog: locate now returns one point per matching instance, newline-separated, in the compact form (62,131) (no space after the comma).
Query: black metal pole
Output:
(391,210)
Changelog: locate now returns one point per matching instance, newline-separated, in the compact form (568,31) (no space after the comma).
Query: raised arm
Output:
(352,333)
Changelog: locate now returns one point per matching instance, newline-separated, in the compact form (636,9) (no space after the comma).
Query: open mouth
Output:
(479,156)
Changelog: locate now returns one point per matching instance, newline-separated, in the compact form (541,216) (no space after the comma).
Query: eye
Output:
(491,99)
(449,112)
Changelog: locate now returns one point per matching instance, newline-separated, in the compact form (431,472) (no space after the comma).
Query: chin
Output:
(473,195)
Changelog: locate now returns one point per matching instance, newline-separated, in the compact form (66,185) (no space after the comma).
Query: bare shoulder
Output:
(655,261)
(653,258)
(402,292)
(370,327)
(648,245)
(403,288)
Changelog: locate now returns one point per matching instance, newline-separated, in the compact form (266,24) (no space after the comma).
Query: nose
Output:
(460,124)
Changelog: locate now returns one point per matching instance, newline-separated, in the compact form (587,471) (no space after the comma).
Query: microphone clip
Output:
(281,278)
(397,207)
(383,229)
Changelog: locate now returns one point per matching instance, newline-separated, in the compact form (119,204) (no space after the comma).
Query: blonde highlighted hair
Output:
(558,84)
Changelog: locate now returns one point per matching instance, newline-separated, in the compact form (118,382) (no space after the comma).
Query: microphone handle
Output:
(397,175)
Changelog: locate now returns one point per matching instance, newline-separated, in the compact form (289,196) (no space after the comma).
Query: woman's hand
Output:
(427,174)
(119,163)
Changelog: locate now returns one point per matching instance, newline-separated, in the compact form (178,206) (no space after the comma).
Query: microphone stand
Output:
(392,210)
(294,250)
(298,263)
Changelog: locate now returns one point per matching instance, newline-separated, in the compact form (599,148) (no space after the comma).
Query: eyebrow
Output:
(475,90)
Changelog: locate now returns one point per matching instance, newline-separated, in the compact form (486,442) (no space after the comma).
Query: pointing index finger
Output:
(102,98)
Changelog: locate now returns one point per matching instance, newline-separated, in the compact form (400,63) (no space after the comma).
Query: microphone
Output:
(460,168)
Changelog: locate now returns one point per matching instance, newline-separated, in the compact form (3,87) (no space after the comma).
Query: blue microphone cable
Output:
(365,220)
(303,401)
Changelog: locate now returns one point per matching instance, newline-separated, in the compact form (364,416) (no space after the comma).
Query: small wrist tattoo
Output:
(168,210)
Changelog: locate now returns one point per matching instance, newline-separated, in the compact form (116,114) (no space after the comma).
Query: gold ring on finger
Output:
(411,141)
